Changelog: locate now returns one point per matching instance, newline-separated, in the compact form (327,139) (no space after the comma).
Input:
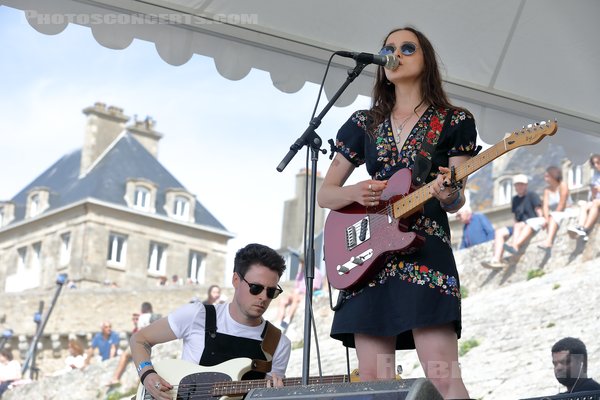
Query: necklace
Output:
(400,128)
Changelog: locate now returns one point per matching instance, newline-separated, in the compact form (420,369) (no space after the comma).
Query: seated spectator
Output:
(214,296)
(289,304)
(589,211)
(104,344)
(140,321)
(526,207)
(477,227)
(10,370)
(554,205)
(75,359)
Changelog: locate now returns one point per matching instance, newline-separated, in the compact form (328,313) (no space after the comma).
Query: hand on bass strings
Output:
(158,387)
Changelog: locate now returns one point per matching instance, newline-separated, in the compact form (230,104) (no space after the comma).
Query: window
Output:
(141,198)
(22,258)
(34,205)
(575,177)
(505,191)
(181,208)
(2,217)
(117,248)
(196,267)
(65,248)
(157,261)
(36,262)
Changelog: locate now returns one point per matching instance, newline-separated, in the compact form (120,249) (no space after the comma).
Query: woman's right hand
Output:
(368,193)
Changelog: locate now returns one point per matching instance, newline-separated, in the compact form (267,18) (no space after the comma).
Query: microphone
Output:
(388,61)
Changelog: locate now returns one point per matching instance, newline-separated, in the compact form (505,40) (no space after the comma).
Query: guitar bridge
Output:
(358,233)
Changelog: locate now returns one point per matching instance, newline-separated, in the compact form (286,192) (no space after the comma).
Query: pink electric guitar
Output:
(357,237)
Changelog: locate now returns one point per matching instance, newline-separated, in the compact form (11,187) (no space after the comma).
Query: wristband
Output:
(143,365)
(451,206)
(145,374)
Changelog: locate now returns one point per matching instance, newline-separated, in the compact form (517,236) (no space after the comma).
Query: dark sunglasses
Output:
(406,48)
(256,289)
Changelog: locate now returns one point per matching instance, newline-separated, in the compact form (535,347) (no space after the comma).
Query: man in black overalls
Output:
(217,336)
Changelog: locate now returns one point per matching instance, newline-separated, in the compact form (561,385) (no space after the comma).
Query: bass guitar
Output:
(223,381)
(357,237)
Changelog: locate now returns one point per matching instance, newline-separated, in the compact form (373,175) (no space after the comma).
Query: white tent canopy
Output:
(510,62)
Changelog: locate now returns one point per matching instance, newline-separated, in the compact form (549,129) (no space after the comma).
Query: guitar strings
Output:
(212,390)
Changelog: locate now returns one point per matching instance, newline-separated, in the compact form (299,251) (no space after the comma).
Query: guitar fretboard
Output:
(242,387)
(411,202)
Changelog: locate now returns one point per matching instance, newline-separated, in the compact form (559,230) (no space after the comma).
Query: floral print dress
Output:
(420,289)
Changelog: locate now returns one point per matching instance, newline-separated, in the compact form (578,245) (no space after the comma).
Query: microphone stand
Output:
(311,139)
(31,354)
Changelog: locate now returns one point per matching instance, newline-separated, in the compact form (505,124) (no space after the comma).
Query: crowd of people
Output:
(532,214)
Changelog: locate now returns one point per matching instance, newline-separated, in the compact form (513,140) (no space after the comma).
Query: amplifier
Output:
(592,395)
(404,389)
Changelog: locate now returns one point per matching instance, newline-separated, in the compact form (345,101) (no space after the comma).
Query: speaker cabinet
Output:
(405,389)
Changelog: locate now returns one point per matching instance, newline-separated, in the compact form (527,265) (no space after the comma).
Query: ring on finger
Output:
(370,187)
(157,385)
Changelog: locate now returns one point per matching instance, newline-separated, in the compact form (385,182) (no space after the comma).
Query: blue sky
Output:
(222,139)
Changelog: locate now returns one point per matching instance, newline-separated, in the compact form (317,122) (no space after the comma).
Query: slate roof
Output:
(106,181)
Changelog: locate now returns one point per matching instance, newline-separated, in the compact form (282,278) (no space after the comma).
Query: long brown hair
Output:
(384,94)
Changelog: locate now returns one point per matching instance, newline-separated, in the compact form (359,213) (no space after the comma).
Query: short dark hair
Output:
(592,158)
(255,253)
(573,346)
(146,307)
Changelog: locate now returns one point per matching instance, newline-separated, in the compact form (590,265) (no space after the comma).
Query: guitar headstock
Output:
(530,134)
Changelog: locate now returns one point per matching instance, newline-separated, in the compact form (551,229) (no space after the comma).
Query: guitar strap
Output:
(429,138)
(269,344)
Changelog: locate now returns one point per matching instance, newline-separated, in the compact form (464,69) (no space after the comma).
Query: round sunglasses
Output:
(256,289)
(406,48)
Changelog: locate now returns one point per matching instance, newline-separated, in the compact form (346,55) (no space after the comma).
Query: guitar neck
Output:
(243,387)
(413,201)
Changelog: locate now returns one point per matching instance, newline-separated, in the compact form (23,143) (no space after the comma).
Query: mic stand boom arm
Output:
(311,139)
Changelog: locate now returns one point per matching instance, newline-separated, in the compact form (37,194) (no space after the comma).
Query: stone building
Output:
(109,213)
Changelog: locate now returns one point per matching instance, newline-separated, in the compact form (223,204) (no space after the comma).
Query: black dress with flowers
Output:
(420,289)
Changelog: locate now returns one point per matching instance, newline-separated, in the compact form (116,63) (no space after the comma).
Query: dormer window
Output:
(141,198)
(34,205)
(180,204)
(141,195)
(7,213)
(37,202)
(181,208)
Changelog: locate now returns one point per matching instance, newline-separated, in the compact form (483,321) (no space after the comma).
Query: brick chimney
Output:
(144,132)
(103,126)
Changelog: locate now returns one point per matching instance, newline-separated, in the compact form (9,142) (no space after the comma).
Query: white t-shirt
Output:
(187,322)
